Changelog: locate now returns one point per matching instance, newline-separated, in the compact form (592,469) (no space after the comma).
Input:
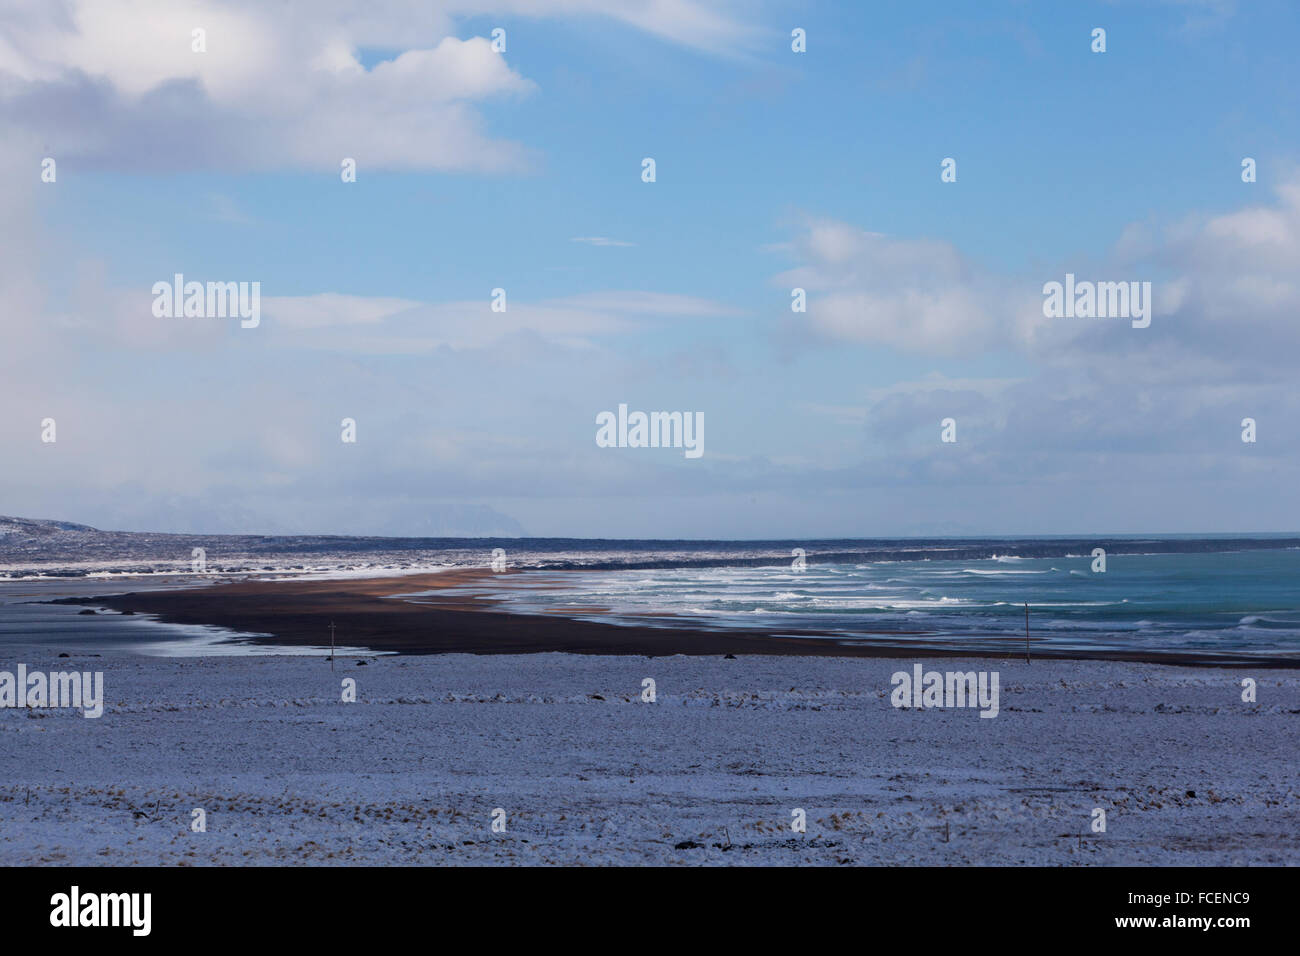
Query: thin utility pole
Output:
(1026,632)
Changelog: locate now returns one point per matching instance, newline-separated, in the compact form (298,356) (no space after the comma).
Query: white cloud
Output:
(917,295)
(1225,289)
(331,309)
(649,303)
(713,26)
(601,241)
(393,326)
(280,86)
(1137,423)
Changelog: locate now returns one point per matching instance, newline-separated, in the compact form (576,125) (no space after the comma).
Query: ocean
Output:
(1215,601)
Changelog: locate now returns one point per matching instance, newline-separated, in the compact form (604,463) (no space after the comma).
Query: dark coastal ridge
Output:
(61,548)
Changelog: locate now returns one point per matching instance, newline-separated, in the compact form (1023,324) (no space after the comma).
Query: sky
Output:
(521,169)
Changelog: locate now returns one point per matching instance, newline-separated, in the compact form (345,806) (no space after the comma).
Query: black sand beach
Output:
(462,619)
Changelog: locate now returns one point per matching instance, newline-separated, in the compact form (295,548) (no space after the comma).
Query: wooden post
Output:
(1026,632)
(332,641)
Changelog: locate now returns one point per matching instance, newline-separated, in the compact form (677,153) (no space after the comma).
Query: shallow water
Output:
(26,621)
(1238,601)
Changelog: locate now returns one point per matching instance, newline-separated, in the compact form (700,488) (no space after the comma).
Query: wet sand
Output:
(465,619)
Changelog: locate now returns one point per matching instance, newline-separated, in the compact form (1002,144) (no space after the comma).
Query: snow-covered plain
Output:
(587,773)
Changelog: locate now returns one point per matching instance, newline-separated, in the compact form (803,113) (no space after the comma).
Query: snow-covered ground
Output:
(587,773)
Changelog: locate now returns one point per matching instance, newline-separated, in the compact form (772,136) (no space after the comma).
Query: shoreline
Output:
(298,612)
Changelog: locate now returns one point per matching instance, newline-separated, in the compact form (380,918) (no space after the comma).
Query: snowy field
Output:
(587,773)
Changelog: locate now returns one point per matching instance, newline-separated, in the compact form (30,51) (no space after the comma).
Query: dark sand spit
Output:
(463,618)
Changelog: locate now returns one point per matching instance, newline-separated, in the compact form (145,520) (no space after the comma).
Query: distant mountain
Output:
(37,527)
(65,548)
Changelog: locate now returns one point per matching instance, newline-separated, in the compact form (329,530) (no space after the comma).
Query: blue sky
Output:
(775,169)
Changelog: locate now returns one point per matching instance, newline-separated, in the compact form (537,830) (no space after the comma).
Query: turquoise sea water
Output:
(1237,601)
